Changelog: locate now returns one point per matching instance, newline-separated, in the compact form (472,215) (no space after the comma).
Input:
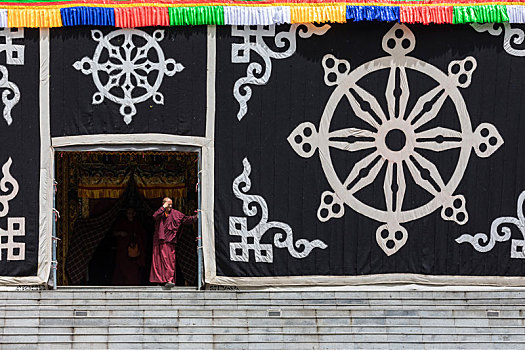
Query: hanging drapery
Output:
(159,182)
(87,234)
(110,181)
(103,181)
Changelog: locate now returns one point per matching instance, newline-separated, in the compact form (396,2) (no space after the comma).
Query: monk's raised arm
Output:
(158,214)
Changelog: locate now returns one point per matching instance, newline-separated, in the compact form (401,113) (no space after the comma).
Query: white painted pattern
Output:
(14,56)
(251,238)
(253,40)
(128,67)
(305,139)
(512,36)
(15,226)
(484,243)
(15,250)
(8,186)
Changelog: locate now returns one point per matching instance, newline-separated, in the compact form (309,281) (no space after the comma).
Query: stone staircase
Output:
(183,318)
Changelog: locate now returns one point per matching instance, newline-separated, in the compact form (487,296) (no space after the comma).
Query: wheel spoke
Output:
(127,87)
(113,51)
(367,107)
(113,81)
(142,81)
(351,139)
(390,93)
(427,107)
(425,174)
(364,172)
(394,186)
(439,139)
(148,66)
(142,52)
(401,186)
(128,47)
(108,67)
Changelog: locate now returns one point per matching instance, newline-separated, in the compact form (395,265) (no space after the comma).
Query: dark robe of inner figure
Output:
(130,238)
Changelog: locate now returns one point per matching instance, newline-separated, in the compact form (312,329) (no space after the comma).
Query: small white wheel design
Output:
(128,67)
(409,125)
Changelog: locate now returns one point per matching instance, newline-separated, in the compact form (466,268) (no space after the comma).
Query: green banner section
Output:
(480,14)
(199,15)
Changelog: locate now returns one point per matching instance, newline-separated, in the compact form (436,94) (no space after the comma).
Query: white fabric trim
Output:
(369,288)
(208,165)
(516,13)
(401,278)
(47,161)
(3,18)
(123,139)
(242,15)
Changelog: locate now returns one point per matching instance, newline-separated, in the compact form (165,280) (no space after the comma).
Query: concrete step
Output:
(269,311)
(235,331)
(238,329)
(253,295)
(254,343)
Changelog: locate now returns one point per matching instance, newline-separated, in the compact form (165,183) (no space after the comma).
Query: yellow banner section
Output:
(34,18)
(320,14)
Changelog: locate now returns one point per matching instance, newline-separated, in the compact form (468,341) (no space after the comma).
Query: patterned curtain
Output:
(110,181)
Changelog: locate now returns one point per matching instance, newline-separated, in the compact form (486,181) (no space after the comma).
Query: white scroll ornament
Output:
(256,74)
(251,238)
(512,36)
(484,243)
(15,226)
(14,56)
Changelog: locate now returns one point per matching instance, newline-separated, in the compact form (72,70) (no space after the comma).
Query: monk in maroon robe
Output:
(168,222)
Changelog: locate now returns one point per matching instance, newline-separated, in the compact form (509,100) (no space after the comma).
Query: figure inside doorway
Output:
(168,223)
(130,239)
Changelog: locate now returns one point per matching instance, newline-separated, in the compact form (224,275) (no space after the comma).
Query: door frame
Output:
(159,143)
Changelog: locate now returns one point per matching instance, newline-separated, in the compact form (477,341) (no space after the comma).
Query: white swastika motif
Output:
(15,228)
(14,53)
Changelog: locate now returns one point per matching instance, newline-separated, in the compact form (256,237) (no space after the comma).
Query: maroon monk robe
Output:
(166,228)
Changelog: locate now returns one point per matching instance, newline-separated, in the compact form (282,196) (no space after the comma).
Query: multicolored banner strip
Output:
(27,13)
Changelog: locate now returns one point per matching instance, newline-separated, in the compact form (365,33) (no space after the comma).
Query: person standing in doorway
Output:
(129,256)
(168,222)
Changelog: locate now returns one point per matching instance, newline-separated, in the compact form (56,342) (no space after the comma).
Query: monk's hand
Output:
(165,205)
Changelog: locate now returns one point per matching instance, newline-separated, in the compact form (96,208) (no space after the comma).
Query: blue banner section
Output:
(97,16)
(372,13)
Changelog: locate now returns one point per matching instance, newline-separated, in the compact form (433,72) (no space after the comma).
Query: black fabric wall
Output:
(21,144)
(183,108)
(292,185)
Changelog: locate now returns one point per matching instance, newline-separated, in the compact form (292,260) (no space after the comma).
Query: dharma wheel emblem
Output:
(128,67)
(414,126)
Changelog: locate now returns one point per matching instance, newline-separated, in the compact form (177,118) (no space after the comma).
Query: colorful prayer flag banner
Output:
(142,13)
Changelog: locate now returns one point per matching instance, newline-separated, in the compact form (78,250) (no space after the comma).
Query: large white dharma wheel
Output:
(396,122)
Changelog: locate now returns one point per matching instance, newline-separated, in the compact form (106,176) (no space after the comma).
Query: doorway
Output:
(106,200)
